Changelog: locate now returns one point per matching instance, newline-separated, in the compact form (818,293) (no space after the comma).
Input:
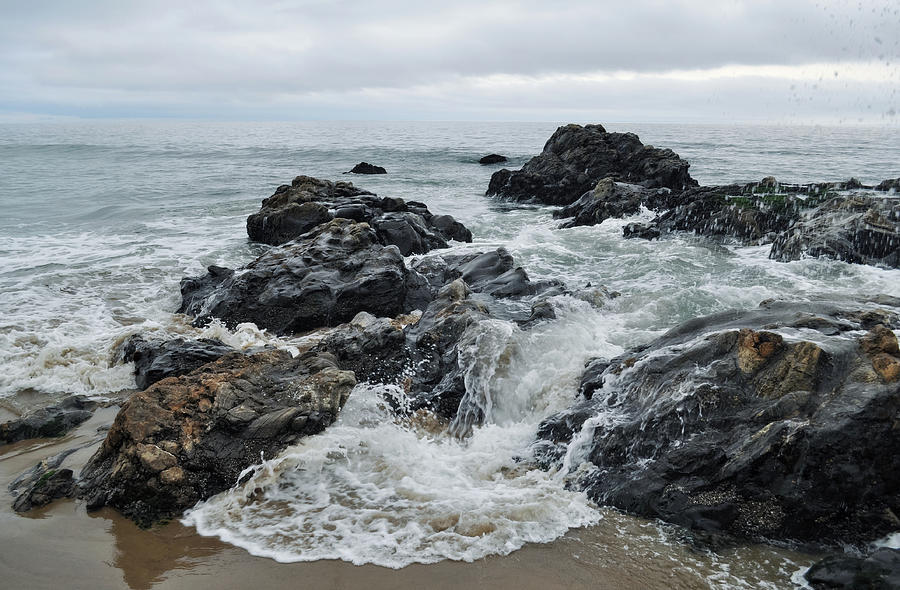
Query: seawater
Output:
(102,219)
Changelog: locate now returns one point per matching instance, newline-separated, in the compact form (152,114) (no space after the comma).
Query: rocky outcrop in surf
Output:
(51,421)
(155,360)
(575,158)
(187,438)
(308,202)
(766,424)
(366,168)
(492,159)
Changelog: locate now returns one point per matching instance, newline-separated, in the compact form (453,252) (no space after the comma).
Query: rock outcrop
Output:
(767,424)
(187,438)
(878,571)
(366,168)
(323,279)
(854,228)
(611,199)
(52,421)
(308,202)
(155,360)
(492,159)
(575,158)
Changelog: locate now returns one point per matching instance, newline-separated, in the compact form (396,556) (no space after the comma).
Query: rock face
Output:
(307,202)
(48,422)
(187,438)
(575,158)
(155,360)
(855,228)
(879,571)
(366,168)
(737,423)
(324,279)
(492,159)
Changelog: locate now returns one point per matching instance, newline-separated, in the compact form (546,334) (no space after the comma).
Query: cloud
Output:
(254,59)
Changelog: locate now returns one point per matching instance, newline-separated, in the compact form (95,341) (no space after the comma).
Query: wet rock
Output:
(373,348)
(366,168)
(324,279)
(879,571)
(644,231)
(610,199)
(52,485)
(889,185)
(732,424)
(308,202)
(492,159)
(187,438)
(853,228)
(575,158)
(52,421)
(156,359)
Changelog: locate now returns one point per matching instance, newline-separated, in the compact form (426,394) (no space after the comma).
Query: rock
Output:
(879,571)
(55,420)
(366,168)
(492,159)
(735,424)
(853,228)
(308,202)
(53,484)
(644,231)
(575,158)
(610,199)
(889,185)
(187,438)
(323,279)
(155,359)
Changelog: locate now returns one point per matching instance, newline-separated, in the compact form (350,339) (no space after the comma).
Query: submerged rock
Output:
(52,421)
(308,202)
(766,424)
(323,279)
(575,158)
(156,359)
(366,168)
(853,228)
(187,438)
(492,159)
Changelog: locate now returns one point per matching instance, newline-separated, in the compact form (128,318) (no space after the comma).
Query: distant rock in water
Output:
(366,168)
(185,439)
(852,228)
(155,360)
(308,202)
(492,159)
(737,423)
(575,158)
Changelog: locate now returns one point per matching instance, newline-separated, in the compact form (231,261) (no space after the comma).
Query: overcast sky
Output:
(635,60)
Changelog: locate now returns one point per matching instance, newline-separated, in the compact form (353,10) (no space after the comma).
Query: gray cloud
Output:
(186,58)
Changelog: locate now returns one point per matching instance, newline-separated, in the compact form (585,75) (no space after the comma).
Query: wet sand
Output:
(62,546)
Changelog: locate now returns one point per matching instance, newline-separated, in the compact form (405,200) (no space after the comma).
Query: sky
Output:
(638,60)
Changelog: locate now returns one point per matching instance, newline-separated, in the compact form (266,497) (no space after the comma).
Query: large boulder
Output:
(52,421)
(853,228)
(766,424)
(187,438)
(575,158)
(323,279)
(308,202)
(155,360)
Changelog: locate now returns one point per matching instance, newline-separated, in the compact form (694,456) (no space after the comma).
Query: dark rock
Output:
(575,158)
(53,484)
(852,228)
(611,199)
(373,348)
(52,421)
(187,438)
(641,230)
(879,571)
(309,202)
(323,279)
(492,159)
(155,359)
(366,168)
(889,185)
(726,426)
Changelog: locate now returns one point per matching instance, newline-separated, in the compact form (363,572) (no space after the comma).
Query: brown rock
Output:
(755,349)
(887,366)
(880,339)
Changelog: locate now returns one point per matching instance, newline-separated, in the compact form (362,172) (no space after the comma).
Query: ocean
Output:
(101,219)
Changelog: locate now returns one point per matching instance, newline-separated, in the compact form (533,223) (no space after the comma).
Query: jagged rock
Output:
(155,359)
(55,420)
(575,158)
(611,199)
(323,279)
(492,159)
(641,230)
(53,484)
(187,438)
(308,202)
(853,228)
(889,185)
(732,424)
(366,168)
(878,571)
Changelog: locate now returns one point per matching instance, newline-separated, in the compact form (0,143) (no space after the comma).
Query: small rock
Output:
(492,159)
(366,168)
